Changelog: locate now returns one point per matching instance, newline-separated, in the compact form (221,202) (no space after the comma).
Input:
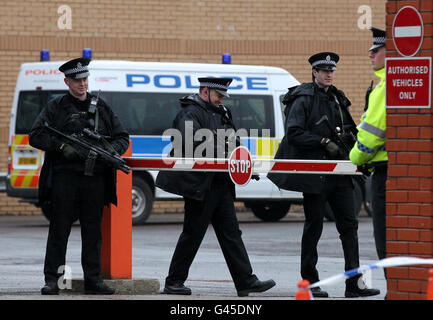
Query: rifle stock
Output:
(345,148)
(93,152)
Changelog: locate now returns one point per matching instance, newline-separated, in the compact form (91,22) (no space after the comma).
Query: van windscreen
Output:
(144,113)
(30,103)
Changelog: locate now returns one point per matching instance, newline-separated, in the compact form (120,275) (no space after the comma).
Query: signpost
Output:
(240,166)
(407,31)
(408,82)
(408,79)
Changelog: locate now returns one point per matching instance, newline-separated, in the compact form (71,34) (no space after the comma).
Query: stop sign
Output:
(407,31)
(240,166)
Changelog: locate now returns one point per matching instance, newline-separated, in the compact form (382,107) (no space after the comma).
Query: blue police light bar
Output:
(87,53)
(45,55)
(227,58)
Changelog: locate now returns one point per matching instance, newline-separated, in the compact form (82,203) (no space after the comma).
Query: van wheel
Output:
(142,201)
(270,211)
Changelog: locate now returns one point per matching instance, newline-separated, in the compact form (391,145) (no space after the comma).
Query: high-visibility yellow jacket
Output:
(370,144)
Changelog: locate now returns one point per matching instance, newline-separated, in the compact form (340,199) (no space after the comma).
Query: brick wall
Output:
(264,32)
(409,190)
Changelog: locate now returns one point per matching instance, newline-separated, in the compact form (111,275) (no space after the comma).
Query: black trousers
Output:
(339,194)
(218,209)
(75,196)
(378,202)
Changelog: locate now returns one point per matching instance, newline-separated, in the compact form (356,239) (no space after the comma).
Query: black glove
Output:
(364,169)
(331,147)
(69,152)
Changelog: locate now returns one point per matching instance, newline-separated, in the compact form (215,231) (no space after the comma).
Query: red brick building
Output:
(410,184)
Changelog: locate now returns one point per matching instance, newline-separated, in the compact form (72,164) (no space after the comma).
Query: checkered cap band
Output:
(213,85)
(379,40)
(76,70)
(331,62)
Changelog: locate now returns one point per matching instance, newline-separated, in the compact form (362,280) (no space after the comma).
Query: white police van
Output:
(145,96)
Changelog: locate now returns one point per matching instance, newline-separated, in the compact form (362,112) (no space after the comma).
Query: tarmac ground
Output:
(273,249)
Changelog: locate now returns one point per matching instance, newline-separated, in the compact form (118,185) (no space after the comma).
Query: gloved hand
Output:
(331,147)
(364,169)
(255,177)
(69,152)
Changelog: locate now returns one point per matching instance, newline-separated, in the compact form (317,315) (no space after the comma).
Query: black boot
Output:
(98,288)
(317,292)
(177,288)
(257,286)
(355,289)
(50,288)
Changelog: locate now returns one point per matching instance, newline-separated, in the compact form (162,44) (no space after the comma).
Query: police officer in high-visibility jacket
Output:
(369,152)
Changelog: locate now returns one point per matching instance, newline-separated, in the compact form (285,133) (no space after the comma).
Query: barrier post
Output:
(116,252)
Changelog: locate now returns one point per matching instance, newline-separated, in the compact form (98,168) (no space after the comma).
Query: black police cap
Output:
(218,84)
(324,61)
(76,68)
(379,38)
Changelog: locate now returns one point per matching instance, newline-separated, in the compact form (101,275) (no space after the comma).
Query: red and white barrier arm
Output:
(342,167)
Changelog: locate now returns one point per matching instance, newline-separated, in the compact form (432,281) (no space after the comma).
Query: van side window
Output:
(252,112)
(145,113)
(282,107)
(30,104)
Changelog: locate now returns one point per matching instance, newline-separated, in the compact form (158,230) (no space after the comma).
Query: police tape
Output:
(336,167)
(384,263)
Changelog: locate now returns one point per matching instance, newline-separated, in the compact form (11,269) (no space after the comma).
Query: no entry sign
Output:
(407,31)
(408,82)
(240,166)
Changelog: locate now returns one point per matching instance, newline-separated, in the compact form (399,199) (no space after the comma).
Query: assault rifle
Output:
(90,151)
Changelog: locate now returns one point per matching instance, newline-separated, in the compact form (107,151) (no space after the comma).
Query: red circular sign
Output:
(407,31)
(240,166)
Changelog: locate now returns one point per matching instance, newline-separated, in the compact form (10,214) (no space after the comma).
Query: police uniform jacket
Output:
(307,109)
(58,114)
(191,184)
(370,145)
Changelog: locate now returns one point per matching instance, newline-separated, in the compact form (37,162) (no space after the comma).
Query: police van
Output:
(145,96)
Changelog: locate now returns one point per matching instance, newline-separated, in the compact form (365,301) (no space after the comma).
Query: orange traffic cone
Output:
(303,291)
(430,285)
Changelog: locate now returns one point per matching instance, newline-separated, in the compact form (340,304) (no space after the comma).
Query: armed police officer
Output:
(209,196)
(68,188)
(319,126)
(369,150)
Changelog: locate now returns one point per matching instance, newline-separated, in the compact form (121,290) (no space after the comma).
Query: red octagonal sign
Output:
(407,31)
(240,166)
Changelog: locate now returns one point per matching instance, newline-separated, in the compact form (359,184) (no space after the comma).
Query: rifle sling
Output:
(106,144)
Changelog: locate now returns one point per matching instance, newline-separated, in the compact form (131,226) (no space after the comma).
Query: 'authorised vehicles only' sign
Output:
(408,82)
